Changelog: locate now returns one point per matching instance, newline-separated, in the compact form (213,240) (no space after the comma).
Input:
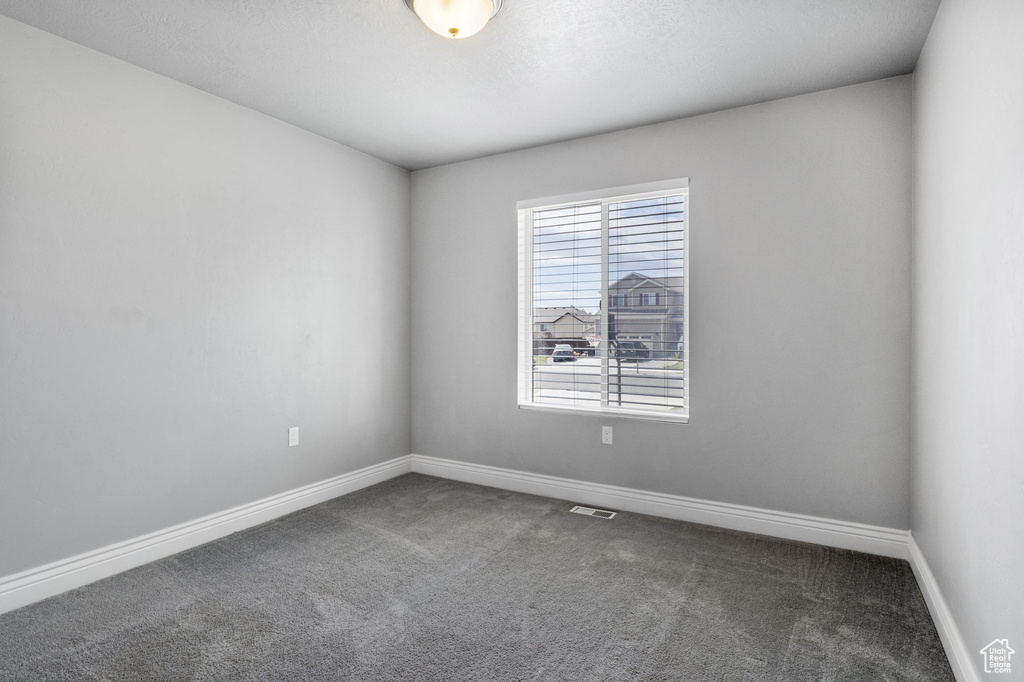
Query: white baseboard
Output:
(46,581)
(961,659)
(843,534)
(39,583)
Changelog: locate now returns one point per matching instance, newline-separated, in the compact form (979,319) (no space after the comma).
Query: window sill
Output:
(670,418)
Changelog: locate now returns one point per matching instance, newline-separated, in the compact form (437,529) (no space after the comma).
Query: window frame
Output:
(524,362)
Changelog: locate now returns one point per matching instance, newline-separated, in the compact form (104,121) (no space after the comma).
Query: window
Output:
(618,261)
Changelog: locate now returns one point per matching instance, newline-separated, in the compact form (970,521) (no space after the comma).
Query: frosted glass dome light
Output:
(455,18)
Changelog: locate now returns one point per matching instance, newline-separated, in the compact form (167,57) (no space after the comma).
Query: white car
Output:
(563,352)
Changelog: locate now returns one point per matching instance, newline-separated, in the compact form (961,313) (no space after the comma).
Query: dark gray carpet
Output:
(422,578)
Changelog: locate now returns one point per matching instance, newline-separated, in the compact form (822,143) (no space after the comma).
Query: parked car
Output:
(563,352)
(632,350)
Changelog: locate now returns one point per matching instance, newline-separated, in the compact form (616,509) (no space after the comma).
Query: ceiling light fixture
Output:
(454,18)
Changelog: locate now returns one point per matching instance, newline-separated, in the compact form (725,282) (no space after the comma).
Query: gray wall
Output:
(800,308)
(968,495)
(181,279)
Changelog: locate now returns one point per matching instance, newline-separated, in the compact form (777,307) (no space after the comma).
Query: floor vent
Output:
(590,511)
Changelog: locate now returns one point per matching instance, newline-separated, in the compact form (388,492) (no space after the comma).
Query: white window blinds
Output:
(603,319)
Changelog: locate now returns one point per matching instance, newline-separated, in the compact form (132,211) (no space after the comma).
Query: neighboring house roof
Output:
(635,279)
(549,315)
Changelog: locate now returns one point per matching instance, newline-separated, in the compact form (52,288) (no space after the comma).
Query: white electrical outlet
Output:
(293,436)
(606,435)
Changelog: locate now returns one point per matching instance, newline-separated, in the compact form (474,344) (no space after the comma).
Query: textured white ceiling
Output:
(368,74)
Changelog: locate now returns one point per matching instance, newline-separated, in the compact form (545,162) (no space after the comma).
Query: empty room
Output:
(473,340)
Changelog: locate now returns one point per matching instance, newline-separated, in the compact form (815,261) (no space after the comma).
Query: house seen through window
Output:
(603,302)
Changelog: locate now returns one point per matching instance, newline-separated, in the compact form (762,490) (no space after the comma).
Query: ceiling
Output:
(368,74)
